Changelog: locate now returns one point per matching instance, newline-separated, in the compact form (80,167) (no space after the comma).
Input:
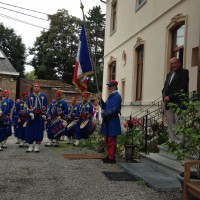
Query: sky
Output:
(28,32)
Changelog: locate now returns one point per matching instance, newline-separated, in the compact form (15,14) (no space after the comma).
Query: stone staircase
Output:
(158,170)
(163,162)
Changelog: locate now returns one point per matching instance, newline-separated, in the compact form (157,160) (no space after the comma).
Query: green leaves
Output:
(14,48)
(55,50)
(188,126)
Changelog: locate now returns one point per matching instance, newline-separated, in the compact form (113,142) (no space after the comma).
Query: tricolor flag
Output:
(83,65)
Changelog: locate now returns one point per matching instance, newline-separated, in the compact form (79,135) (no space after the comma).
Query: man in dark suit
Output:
(177,82)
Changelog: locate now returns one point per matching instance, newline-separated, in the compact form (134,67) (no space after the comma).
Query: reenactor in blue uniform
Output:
(11,104)
(14,121)
(111,127)
(4,118)
(21,118)
(37,104)
(84,115)
(57,114)
(71,131)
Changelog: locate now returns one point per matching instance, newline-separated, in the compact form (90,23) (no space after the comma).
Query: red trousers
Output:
(111,144)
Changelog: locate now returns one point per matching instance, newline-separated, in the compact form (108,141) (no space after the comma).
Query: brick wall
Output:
(8,82)
(50,87)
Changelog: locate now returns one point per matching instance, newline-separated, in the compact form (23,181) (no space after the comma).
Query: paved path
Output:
(49,176)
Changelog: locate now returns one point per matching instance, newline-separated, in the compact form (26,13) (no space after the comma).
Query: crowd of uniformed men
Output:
(28,117)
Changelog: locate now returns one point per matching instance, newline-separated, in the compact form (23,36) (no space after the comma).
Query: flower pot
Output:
(193,176)
(129,149)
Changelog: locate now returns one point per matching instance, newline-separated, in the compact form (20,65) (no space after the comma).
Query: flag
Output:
(83,66)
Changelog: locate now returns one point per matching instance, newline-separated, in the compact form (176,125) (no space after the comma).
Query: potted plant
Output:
(187,126)
(131,138)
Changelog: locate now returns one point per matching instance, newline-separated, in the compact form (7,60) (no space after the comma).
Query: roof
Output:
(5,66)
(53,84)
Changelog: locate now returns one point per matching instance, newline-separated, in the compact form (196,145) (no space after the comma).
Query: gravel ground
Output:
(48,175)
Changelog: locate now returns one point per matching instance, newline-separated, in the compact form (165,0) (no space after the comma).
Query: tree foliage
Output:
(30,75)
(96,28)
(55,51)
(13,47)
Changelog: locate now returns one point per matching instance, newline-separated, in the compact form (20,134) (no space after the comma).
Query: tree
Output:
(55,50)
(30,75)
(95,29)
(13,47)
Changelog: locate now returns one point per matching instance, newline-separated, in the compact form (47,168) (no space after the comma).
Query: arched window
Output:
(112,71)
(176,39)
(178,34)
(139,71)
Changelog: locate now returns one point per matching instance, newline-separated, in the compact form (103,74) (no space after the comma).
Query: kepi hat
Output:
(58,93)
(85,95)
(24,93)
(112,83)
(6,92)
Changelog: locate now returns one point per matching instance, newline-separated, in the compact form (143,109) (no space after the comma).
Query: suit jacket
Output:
(179,84)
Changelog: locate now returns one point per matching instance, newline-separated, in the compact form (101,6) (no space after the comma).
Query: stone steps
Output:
(153,178)
(158,170)
(162,164)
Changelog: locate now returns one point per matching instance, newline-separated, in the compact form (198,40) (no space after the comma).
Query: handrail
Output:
(153,103)
(148,115)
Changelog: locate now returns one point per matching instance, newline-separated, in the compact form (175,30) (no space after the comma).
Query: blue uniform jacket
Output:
(72,111)
(58,106)
(4,106)
(37,103)
(11,104)
(21,109)
(83,109)
(111,109)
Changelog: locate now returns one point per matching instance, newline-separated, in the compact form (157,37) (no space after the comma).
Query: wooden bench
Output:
(190,186)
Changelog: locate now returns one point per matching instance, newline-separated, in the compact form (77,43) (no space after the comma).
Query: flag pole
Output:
(95,74)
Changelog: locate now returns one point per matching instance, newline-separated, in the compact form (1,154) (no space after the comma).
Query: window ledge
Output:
(112,32)
(138,6)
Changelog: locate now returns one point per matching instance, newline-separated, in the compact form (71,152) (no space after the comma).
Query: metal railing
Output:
(155,112)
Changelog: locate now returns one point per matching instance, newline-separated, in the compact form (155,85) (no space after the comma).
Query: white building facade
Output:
(140,38)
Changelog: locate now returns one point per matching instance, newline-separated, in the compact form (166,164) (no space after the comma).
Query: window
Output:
(195,56)
(178,38)
(114,16)
(123,90)
(139,4)
(112,71)
(139,71)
